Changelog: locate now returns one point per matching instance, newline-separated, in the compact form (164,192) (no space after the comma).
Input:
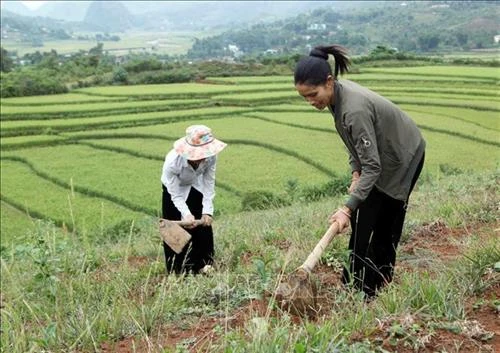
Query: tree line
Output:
(53,73)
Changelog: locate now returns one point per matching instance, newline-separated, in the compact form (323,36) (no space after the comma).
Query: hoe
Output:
(297,291)
(174,235)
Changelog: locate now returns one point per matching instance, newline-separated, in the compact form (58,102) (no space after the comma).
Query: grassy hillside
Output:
(88,293)
(81,261)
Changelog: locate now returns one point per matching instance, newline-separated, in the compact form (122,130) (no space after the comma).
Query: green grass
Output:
(114,179)
(305,117)
(71,294)
(490,73)
(14,142)
(253,79)
(178,89)
(15,224)
(453,126)
(390,77)
(49,201)
(259,97)
(488,120)
(56,99)
(247,131)
(477,93)
(37,127)
(294,141)
(32,112)
(470,103)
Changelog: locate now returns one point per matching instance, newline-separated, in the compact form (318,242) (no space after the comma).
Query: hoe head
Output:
(297,293)
(174,235)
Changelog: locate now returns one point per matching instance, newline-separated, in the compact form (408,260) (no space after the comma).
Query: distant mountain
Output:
(173,15)
(64,10)
(109,16)
(17,7)
(416,26)
(26,25)
(199,15)
(282,27)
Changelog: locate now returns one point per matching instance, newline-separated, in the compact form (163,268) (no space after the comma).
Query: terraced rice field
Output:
(91,160)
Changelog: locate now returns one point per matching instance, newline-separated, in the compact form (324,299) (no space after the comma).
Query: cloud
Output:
(32,5)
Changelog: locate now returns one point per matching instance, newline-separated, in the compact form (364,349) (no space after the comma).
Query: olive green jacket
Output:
(384,144)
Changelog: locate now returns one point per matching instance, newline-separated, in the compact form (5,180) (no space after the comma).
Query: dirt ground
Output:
(480,332)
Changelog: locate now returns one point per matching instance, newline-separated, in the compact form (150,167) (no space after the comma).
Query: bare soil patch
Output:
(480,331)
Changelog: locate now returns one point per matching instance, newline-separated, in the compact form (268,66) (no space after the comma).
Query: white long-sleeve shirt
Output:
(179,176)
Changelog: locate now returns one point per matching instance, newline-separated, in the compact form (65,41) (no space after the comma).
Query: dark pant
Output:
(377,226)
(200,249)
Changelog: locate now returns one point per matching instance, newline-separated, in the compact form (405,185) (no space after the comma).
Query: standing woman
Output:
(386,155)
(188,183)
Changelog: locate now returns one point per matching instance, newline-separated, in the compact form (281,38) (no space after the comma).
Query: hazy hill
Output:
(209,14)
(424,26)
(255,27)
(28,26)
(174,15)
(64,10)
(17,7)
(110,16)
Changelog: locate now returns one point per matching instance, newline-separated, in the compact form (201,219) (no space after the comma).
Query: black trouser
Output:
(377,226)
(200,249)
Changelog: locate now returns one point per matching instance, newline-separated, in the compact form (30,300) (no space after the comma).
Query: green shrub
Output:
(334,187)
(140,65)
(261,200)
(447,169)
(31,83)
(156,77)
(120,75)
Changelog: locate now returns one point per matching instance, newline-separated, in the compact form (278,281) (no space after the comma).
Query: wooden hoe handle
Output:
(315,255)
(197,222)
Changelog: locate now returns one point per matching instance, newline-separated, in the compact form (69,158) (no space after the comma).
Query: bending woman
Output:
(188,183)
(386,156)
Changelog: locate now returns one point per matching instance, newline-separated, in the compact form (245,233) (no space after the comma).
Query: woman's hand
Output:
(354,181)
(207,220)
(189,218)
(343,217)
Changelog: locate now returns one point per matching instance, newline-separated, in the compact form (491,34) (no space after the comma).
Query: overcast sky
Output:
(33,4)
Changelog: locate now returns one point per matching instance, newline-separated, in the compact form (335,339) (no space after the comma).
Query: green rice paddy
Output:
(91,159)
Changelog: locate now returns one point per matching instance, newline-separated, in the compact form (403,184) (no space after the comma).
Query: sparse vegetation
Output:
(69,292)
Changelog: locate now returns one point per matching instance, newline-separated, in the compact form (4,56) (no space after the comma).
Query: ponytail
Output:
(342,61)
(314,69)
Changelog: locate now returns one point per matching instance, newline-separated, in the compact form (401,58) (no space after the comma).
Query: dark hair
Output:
(314,69)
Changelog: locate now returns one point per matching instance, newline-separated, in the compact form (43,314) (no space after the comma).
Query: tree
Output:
(37,41)
(462,38)
(428,41)
(50,60)
(6,62)
(97,50)
(60,34)
(120,75)
(95,54)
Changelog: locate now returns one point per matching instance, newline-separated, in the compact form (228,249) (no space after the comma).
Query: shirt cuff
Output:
(185,212)
(353,203)
(208,210)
